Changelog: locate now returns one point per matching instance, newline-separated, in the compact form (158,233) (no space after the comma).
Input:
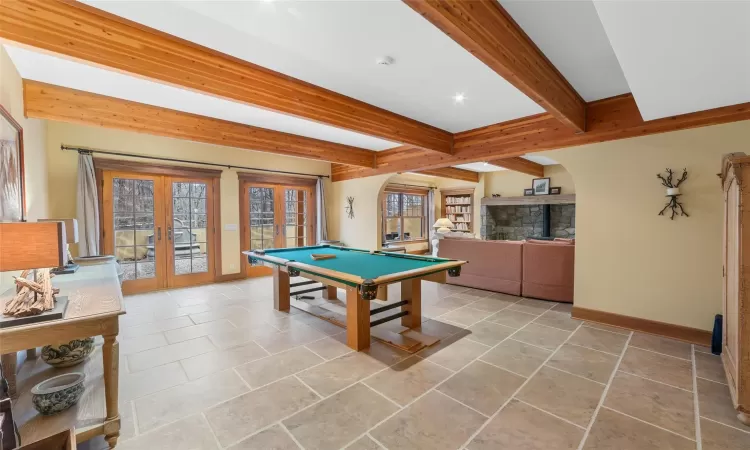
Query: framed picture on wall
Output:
(540,186)
(12,201)
(555,190)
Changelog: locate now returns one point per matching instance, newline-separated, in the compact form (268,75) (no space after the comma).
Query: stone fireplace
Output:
(535,219)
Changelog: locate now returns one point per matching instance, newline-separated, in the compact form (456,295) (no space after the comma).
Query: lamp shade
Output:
(71,229)
(32,245)
(443,225)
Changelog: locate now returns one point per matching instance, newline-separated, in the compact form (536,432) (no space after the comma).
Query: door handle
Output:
(158,233)
(169,233)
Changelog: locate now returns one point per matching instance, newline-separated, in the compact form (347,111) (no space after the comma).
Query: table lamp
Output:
(71,237)
(443,225)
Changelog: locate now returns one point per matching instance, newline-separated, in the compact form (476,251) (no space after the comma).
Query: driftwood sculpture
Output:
(32,296)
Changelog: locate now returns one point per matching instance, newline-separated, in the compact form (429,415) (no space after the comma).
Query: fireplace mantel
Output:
(530,200)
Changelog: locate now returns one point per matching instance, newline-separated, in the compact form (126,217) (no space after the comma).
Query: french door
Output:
(275,216)
(160,229)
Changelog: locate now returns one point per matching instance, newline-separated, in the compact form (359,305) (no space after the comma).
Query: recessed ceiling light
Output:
(384,61)
(459,97)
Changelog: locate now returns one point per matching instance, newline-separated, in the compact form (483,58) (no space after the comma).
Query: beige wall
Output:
(509,183)
(35,176)
(63,170)
(631,261)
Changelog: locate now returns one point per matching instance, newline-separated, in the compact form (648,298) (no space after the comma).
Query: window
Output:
(404,216)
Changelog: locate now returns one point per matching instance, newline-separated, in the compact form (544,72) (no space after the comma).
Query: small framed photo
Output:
(540,186)
(554,191)
(528,192)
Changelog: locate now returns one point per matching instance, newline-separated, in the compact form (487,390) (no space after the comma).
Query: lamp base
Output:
(443,230)
(68,268)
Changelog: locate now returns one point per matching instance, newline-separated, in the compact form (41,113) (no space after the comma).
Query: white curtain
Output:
(322,225)
(87,207)
(430,217)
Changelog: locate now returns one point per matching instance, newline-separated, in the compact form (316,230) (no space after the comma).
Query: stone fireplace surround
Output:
(516,222)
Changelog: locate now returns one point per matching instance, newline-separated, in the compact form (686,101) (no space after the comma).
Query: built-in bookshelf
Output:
(458,207)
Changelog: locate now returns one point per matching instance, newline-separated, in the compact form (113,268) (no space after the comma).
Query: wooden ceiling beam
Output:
(81,32)
(486,30)
(45,101)
(519,164)
(453,173)
(608,120)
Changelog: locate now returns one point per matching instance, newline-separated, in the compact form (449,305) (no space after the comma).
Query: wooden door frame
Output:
(108,245)
(177,281)
(102,164)
(247,178)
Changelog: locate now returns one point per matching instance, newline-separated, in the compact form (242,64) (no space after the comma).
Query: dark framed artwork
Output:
(528,192)
(12,200)
(555,190)
(540,186)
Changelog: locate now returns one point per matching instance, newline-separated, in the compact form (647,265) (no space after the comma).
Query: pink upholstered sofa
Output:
(492,265)
(537,269)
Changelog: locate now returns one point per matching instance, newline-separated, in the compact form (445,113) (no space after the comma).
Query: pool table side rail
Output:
(414,273)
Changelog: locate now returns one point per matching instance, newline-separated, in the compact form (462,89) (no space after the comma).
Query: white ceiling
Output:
(681,56)
(335,44)
(571,36)
(63,72)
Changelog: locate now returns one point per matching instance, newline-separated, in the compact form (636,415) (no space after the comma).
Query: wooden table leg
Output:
(330,293)
(357,320)
(411,290)
(9,361)
(111,357)
(280,289)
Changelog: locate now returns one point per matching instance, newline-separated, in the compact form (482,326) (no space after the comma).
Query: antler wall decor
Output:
(350,207)
(673,192)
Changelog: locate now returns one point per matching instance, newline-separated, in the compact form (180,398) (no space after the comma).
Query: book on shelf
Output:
(457,199)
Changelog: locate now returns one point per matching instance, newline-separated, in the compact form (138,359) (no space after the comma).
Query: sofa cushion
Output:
(548,271)
(492,265)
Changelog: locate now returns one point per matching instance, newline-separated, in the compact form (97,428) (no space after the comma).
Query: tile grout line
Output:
(654,381)
(550,326)
(308,386)
(725,425)
(696,403)
(532,345)
(647,423)
(375,441)
(712,381)
(294,439)
(573,374)
(549,413)
(429,390)
(588,324)
(380,394)
(495,414)
(135,418)
(463,404)
(605,392)
(210,430)
(659,353)
(502,368)
(594,349)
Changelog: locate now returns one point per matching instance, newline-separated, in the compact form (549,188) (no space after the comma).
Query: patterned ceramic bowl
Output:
(58,393)
(70,354)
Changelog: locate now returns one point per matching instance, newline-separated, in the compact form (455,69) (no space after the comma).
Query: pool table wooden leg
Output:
(357,320)
(280,289)
(329,293)
(412,290)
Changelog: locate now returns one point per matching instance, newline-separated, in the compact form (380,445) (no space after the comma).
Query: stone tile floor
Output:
(215,367)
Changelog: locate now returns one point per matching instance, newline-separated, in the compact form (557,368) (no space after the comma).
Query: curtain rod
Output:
(159,158)
(413,185)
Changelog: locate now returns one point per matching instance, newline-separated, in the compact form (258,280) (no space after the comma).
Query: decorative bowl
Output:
(70,354)
(58,393)
(93,260)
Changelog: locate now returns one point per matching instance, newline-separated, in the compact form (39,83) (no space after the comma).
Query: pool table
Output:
(364,275)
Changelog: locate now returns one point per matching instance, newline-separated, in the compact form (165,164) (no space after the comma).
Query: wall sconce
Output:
(673,192)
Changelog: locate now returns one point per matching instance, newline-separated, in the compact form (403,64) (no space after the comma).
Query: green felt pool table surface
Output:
(356,262)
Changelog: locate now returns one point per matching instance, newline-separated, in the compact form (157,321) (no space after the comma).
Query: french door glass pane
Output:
(190,227)
(134,227)
(262,218)
(295,213)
